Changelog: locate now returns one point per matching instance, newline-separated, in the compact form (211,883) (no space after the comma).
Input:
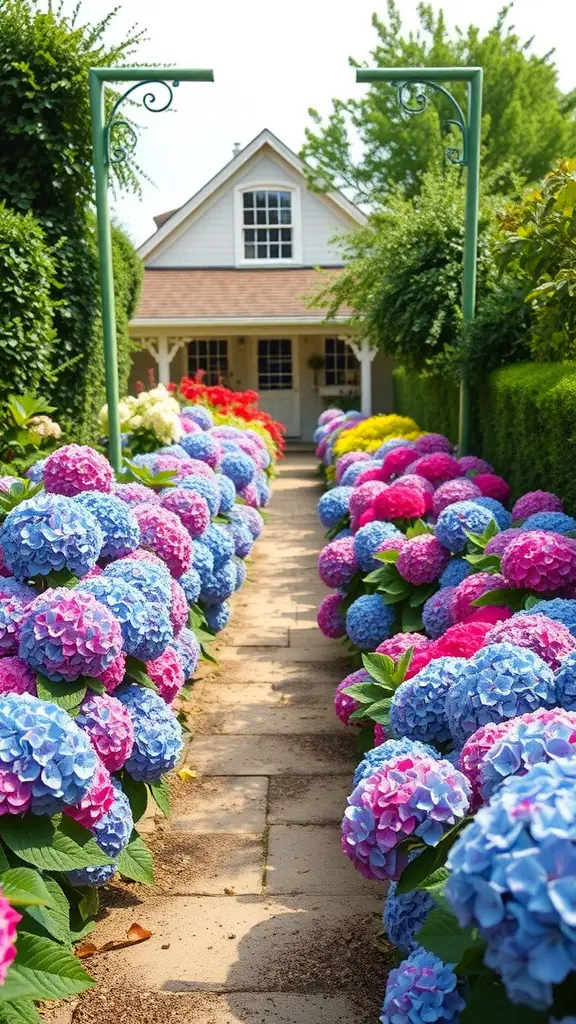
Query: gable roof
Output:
(170,221)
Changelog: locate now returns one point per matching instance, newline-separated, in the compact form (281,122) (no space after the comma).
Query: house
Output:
(227,282)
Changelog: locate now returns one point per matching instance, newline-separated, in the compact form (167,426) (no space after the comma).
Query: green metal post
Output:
(103,156)
(470,241)
(469,157)
(106,268)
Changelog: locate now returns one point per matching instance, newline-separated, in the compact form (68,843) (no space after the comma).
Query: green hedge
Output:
(524,419)
(431,401)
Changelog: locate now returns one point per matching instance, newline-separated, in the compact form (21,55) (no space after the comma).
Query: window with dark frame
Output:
(267,225)
(210,355)
(275,364)
(340,363)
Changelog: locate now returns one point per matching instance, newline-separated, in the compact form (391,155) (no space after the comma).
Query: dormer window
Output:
(267,224)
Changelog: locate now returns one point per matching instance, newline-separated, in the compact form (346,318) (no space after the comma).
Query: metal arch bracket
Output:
(119,146)
(417,104)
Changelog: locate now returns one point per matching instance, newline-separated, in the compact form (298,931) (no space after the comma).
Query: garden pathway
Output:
(257,916)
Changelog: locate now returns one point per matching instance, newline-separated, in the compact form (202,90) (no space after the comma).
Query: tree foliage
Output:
(46,167)
(527,122)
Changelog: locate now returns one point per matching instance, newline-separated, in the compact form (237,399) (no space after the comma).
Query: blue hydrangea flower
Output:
(112,833)
(561,609)
(554,522)
(525,744)
(243,542)
(239,467)
(191,585)
(351,474)
(391,444)
(512,876)
(456,571)
(227,493)
(404,914)
(14,589)
(418,708)
(566,683)
(437,612)
(262,489)
(200,414)
(145,624)
(251,517)
(157,734)
(50,532)
(146,460)
(241,572)
(387,751)
(188,650)
(116,520)
(220,585)
(368,540)
(369,621)
(201,446)
(206,487)
(500,513)
(46,760)
(499,682)
(175,450)
(333,506)
(152,580)
(218,616)
(220,541)
(35,473)
(202,561)
(422,988)
(12,613)
(456,519)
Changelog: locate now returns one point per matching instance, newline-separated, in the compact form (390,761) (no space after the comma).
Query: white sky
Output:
(271,62)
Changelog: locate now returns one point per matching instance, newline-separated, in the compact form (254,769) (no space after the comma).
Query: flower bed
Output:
(460,614)
(111,588)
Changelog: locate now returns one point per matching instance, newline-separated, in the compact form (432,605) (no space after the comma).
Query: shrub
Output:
(26,313)
(433,401)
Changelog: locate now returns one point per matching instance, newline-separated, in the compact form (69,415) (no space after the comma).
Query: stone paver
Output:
(257,918)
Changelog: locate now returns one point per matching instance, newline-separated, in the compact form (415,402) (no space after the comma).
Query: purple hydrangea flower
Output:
(369,621)
(422,560)
(251,517)
(460,489)
(243,541)
(497,545)
(337,563)
(157,734)
(164,534)
(190,507)
(499,682)
(136,494)
(116,520)
(48,533)
(561,609)
(536,501)
(548,638)
(422,988)
(512,876)
(330,617)
(438,612)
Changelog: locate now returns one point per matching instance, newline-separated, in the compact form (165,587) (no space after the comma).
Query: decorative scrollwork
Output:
(413,99)
(120,136)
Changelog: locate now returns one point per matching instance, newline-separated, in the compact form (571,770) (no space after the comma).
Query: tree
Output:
(46,167)
(527,122)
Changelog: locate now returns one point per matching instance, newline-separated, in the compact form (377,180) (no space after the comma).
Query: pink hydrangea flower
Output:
(396,461)
(492,486)
(413,480)
(97,801)
(109,726)
(454,490)
(135,494)
(536,501)
(9,918)
(473,752)
(330,618)
(398,644)
(437,468)
(344,705)
(178,607)
(550,639)
(399,502)
(337,563)
(16,676)
(189,426)
(471,464)
(250,495)
(168,674)
(348,459)
(369,476)
(540,561)
(76,468)
(163,533)
(367,517)
(363,496)
(434,443)
(490,613)
(191,508)
(470,588)
(379,734)
(114,674)
(422,559)
(461,640)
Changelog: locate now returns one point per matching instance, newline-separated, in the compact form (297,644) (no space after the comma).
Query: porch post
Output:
(163,360)
(365,355)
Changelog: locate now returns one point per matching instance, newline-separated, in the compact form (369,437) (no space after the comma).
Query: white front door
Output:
(276,374)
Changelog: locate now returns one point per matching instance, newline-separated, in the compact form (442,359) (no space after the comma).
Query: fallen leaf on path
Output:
(187,773)
(136,933)
(84,949)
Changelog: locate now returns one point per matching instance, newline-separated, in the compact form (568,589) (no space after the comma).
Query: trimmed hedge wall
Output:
(525,420)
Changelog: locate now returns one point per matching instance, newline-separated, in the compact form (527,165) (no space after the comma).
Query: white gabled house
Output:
(227,281)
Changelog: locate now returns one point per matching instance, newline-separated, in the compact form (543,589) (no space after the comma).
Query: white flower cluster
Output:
(44,427)
(154,411)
